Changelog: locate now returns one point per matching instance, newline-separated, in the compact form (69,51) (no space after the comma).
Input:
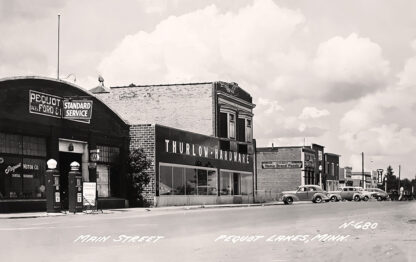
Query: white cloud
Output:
(351,67)
(313,112)
(382,123)
(207,45)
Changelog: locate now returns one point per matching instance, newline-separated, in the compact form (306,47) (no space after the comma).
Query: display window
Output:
(236,183)
(187,180)
(22,166)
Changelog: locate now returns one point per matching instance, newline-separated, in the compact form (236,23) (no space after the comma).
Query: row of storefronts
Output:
(198,137)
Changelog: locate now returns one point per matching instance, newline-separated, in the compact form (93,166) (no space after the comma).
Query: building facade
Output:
(361,179)
(284,168)
(331,176)
(198,135)
(33,129)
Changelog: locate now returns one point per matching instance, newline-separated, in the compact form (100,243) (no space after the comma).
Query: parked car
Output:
(393,194)
(379,194)
(365,195)
(351,193)
(312,193)
(334,196)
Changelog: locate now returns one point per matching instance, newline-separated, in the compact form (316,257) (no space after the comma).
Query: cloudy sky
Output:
(338,73)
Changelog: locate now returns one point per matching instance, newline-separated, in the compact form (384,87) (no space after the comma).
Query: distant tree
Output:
(138,178)
(406,184)
(392,182)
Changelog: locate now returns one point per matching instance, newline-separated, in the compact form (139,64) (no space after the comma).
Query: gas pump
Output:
(53,195)
(75,188)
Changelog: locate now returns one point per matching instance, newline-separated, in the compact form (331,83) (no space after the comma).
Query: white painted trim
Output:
(236,171)
(185,166)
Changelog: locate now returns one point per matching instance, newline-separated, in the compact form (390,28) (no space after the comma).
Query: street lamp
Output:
(320,175)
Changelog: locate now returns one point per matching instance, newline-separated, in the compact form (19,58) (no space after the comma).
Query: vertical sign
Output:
(379,176)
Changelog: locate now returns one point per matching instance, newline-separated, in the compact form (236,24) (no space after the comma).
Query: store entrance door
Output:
(65,159)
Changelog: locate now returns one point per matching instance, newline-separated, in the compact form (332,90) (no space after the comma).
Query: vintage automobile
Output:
(334,196)
(351,193)
(312,193)
(378,193)
(365,195)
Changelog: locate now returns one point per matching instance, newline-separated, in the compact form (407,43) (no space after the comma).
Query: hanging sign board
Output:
(77,109)
(89,193)
(94,155)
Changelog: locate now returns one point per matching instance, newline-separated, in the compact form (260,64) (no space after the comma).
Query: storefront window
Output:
(165,182)
(22,177)
(178,181)
(202,182)
(246,184)
(212,182)
(22,167)
(34,146)
(225,183)
(103,183)
(10,144)
(191,181)
(108,154)
(187,181)
(234,183)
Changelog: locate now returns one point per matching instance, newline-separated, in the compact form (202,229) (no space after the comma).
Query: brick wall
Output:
(278,180)
(188,107)
(143,136)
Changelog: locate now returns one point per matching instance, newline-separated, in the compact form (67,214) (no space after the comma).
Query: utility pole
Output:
(362,168)
(399,179)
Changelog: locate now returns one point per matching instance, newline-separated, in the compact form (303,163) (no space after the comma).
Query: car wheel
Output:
(333,198)
(288,201)
(357,198)
(318,199)
(366,198)
(379,198)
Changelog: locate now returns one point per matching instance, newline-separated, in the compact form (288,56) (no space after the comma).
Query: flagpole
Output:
(59,23)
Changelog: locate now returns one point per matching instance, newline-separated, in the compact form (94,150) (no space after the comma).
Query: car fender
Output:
(294,197)
(323,196)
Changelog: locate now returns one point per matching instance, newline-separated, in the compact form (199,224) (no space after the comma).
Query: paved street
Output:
(301,232)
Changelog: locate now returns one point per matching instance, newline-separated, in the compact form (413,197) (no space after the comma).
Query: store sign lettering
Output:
(77,109)
(281,164)
(11,169)
(55,106)
(45,104)
(189,149)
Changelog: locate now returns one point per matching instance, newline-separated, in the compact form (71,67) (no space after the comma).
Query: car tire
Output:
(357,198)
(288,201)
(318,199)
(379,198)
(334,199)
(365,198)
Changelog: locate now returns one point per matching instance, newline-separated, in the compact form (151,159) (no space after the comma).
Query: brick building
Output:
(284,168)
(331,174)
(199,136)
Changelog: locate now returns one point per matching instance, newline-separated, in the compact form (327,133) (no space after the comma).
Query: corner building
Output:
(33,130)
(199,136)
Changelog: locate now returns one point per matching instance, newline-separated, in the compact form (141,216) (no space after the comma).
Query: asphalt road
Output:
(302,232)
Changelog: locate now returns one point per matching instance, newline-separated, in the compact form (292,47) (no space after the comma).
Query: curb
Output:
(113,211)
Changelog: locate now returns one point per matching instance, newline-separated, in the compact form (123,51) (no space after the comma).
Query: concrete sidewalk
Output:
(137,209)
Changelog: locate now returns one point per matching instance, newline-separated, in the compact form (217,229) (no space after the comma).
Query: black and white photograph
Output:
(207,130)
